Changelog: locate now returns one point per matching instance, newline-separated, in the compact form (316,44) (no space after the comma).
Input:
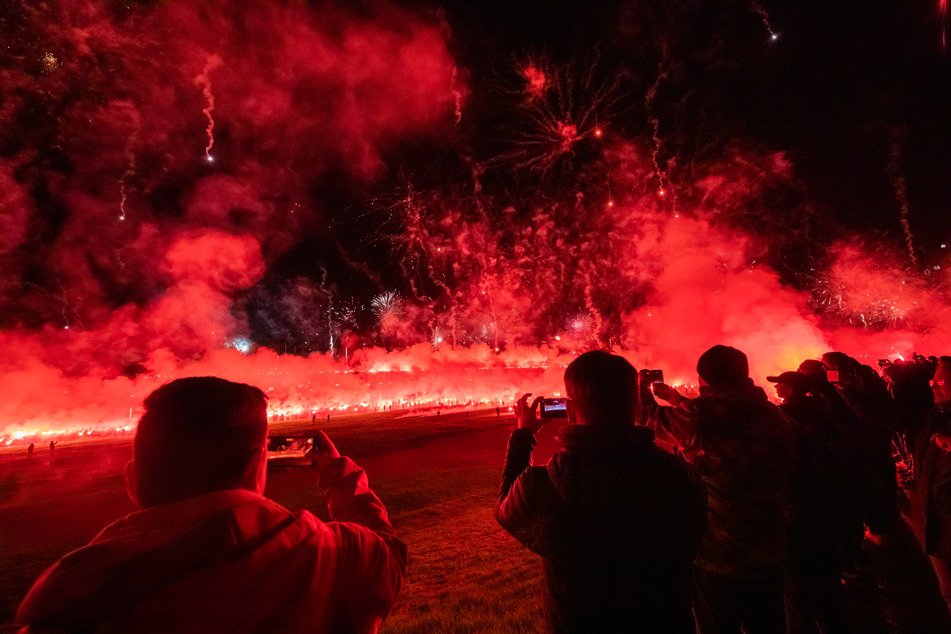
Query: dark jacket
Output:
(814,492)
(743,447)
(932,498)
(617,522)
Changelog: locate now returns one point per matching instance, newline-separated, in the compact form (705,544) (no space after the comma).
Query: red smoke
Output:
(127,254)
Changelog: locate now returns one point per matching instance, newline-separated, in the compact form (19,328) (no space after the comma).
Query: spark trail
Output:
(560,105)
(901,193)
(943,16)
(130,158)
(764,16)
(204,82)
(655,123)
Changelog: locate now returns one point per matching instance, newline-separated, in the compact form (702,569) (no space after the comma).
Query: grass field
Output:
(465,574)
(438,476)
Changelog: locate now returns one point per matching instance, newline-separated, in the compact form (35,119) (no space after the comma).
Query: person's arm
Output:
(525,491)
(674,426)
(376,557)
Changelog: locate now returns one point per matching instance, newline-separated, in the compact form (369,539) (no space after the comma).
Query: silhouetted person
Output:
(615,519)
(814,596)
(498,412)
(52,447)
(909,383)
(207,551)
(932,494)
(743,448)
(867,396)
(29,452)
(854,479)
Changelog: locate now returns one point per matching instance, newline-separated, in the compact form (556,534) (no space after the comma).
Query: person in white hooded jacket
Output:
(207,551)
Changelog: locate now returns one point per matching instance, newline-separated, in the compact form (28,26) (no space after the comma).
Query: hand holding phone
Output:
(527,415)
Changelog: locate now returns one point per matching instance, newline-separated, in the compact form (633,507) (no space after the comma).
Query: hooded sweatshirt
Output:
(230,561)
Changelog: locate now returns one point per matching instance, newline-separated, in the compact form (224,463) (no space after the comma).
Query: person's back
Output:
(617,522)
(230,561)
(208,552)
(744,453)
(743,449)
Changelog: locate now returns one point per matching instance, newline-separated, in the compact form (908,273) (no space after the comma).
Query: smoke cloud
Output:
(160,165)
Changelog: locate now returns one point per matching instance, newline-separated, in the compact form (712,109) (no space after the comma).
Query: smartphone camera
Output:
(655,376)
(553,408)
(289,451)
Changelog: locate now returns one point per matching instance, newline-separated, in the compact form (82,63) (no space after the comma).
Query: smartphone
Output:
(554,408)
(289,451)
(832,376)
(655,376)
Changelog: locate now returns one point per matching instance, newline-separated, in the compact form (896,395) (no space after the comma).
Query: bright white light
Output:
(242,344)
(211,158)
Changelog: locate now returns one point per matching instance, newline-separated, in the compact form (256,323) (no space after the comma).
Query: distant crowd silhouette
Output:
(657,512)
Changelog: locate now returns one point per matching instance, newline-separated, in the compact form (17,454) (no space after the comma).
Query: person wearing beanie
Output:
(743,447)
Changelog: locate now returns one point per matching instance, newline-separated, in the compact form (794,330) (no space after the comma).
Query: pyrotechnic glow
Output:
(561,106)
(50,62)
(242,344)
(536,82)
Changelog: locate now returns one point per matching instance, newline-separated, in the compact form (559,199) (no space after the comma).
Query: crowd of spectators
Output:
(792,490)
(657,513)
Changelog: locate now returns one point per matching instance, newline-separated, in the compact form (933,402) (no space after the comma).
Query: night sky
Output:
(360,149)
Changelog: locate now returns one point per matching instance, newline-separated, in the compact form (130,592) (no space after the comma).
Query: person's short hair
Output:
(722,364)
(839,361)
(603,387)
(197,436)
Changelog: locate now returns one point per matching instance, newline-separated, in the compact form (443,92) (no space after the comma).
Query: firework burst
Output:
(558,107)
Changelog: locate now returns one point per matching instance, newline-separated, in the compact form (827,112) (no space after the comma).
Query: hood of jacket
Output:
(149,550)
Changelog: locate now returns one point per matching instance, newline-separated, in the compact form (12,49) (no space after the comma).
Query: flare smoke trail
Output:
(204,82)
(901,194)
